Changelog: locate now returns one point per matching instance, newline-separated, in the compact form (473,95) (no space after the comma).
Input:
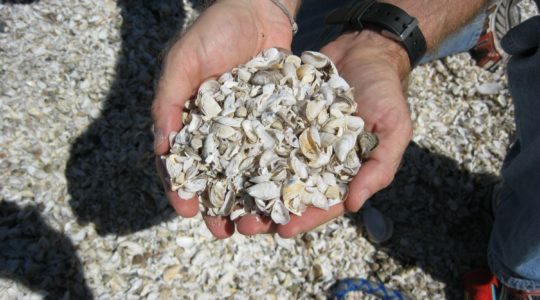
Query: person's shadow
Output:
(442,220)
(33,253)
(114,186)
(38,256)
(110,172)
(111,175)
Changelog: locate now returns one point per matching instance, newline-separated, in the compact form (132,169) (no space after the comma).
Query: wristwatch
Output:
(392,21)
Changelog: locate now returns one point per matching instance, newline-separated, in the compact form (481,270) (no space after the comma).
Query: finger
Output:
(186,208)
(220,227)
(255,224)
(174,88)
(378,171)
(311,218)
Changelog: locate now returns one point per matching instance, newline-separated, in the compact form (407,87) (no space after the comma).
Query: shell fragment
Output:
(272,137)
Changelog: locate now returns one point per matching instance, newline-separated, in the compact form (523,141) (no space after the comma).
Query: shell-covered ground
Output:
(81,209)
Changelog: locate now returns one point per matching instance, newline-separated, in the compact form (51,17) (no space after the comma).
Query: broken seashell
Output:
(280,214)
(316,59)
(264,190)
(367,141)
(272,137)
(344,145)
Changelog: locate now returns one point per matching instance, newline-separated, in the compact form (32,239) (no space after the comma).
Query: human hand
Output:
(375,67)
(227,34)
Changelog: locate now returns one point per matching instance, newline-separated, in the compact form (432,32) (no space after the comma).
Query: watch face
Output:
(390,35)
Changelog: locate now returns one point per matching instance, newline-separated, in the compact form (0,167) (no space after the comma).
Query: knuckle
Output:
(288,234)
(386,179)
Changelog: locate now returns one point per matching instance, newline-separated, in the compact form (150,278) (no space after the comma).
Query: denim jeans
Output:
(514,249)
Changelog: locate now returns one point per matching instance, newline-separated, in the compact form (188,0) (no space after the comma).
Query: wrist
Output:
(292,5)
(438,19)
(270,17)
(371,43)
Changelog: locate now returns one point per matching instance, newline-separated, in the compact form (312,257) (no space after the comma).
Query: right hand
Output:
(227,34)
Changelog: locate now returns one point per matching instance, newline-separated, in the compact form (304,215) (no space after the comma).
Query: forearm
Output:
(439,18)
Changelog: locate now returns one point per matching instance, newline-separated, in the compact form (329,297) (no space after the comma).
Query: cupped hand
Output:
(227,34)
(375,66)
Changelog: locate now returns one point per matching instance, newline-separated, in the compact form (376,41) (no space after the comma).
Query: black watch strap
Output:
(394,22)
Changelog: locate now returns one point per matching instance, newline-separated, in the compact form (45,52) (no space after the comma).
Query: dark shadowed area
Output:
(38,256)
(441,216)
(114,186)
(111,174)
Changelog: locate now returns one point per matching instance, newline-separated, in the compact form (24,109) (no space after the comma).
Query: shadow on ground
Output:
(111,175)
(441,219)
(17,1)
(113,183)
(38,256)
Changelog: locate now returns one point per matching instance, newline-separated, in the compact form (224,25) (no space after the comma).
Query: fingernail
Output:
(162,170)
(159,137)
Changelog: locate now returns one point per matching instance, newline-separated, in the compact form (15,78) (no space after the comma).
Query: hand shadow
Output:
(17,1)
(441,219)
(111,173)
(38,256)
(114,185)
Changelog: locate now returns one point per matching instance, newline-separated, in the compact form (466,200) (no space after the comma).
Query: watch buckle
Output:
(407,30)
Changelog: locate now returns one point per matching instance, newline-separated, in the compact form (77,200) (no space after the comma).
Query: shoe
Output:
(507,293)
(379,228)
(503,15)
(493,199)
(481,284)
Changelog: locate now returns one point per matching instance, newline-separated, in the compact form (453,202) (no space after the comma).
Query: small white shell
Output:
(210,150)
(272,137)
(247,126)
(264,191)
(223,131)
(209,106)
(210,87)
(300,169)
(265,138)
(354,123)
(243,75)
(307,146)
(322,159)
(195,186)
(332,192)
(313,109)
(316,59)
(227,121)
(280,214)
(344,145)
(292,189)
(319,200)
(306,73)
(337,82)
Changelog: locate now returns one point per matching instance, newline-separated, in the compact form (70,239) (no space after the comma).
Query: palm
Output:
(227,34)
(382,105)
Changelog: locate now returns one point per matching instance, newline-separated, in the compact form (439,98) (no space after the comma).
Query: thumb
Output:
(175,86)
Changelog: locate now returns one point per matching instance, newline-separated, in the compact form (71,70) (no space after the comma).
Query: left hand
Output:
(375,66)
